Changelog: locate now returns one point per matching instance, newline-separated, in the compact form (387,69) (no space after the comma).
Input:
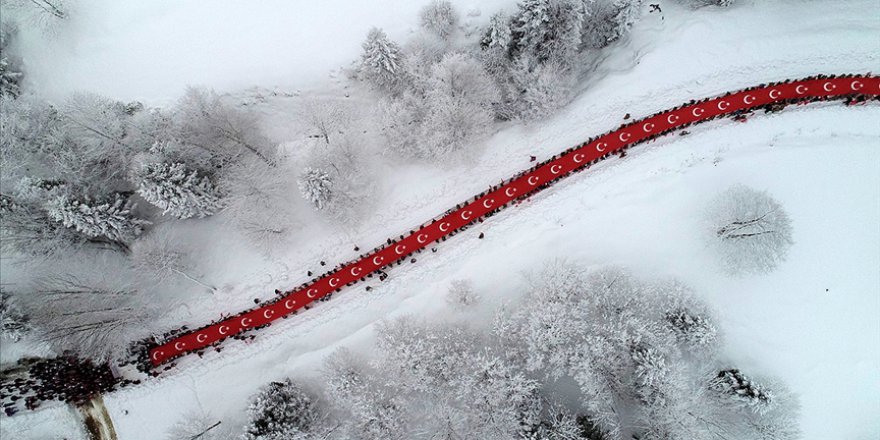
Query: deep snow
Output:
(821,163)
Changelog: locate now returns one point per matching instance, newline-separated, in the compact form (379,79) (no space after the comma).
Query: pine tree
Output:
(733,383)
(609,20)
(280,410)
(111,219)
(316,186)
(496,44)
(382,62)
(548,30)
(691,328)
(178,191)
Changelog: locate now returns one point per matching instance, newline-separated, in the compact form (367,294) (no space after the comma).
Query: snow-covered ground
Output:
(821,162)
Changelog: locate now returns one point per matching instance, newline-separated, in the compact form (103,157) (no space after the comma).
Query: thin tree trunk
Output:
(187,276)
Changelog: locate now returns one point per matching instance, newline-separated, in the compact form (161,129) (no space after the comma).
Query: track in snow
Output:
(516,188)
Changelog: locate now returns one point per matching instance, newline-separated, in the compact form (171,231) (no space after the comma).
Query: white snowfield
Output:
(812,322)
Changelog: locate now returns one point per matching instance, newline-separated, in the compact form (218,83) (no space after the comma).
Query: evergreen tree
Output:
(316,186)
(382,62)
(110,219)
(548,30)
(733,383)
(178,191)
(691,328)
(280,410)
(496,44)
(609,20)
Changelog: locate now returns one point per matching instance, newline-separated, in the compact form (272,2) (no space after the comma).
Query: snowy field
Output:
(813,321)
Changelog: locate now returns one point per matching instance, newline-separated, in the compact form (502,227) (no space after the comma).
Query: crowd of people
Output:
(740,115)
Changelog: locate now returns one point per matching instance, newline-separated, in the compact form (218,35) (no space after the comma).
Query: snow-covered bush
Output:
(178,191)
(382,62)
(440,18)
(316,186)
(280,410)
(749,230)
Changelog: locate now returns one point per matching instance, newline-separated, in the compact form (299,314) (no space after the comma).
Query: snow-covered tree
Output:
(548,30)
(691,328)
(373,408)
(440,18)
(496,44)
(461,294)
(607,21)
(157,257)
(737,386)
(110,219)
(540,89)
(27,229)
(178,191)
(316,186)
(198,425)
(13,323)
(10,64)
(280,410)
(204,121)
(750,230)
(96,315)
(382,62)
(257,201)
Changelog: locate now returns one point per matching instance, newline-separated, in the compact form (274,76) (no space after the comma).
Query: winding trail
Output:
(772,96)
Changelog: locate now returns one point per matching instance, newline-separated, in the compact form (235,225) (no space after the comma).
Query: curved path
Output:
(771,96)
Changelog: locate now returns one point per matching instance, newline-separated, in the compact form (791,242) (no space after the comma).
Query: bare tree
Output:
(157,255)
(95,317)
(750,230)
(205,121)
(198,425)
